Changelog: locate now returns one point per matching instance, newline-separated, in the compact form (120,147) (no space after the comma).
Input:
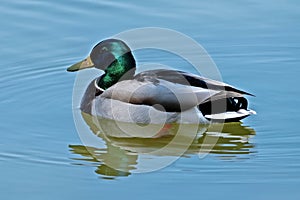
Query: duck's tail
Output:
(231,109)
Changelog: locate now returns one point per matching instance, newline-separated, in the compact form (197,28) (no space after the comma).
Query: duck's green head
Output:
(105,54)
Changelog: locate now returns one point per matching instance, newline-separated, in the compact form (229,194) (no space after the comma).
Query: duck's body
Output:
(155,96)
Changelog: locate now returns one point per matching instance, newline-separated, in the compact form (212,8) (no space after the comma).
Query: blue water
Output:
(255,44)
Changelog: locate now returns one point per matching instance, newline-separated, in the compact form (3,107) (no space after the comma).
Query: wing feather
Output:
(170,90)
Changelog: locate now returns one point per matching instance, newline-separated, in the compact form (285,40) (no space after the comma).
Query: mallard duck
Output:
(155,96)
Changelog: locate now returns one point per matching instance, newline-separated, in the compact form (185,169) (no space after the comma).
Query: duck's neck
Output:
(122,68)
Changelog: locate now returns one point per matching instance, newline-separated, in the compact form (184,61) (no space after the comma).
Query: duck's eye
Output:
(104,49)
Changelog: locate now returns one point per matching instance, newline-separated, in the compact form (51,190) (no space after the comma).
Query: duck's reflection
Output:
(121,155)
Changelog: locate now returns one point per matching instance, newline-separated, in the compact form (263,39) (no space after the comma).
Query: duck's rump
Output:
(225,103)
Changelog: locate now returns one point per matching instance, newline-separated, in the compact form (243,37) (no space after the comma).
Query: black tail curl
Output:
(232,104)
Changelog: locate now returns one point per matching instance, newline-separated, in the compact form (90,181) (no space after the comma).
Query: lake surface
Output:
(256,47)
